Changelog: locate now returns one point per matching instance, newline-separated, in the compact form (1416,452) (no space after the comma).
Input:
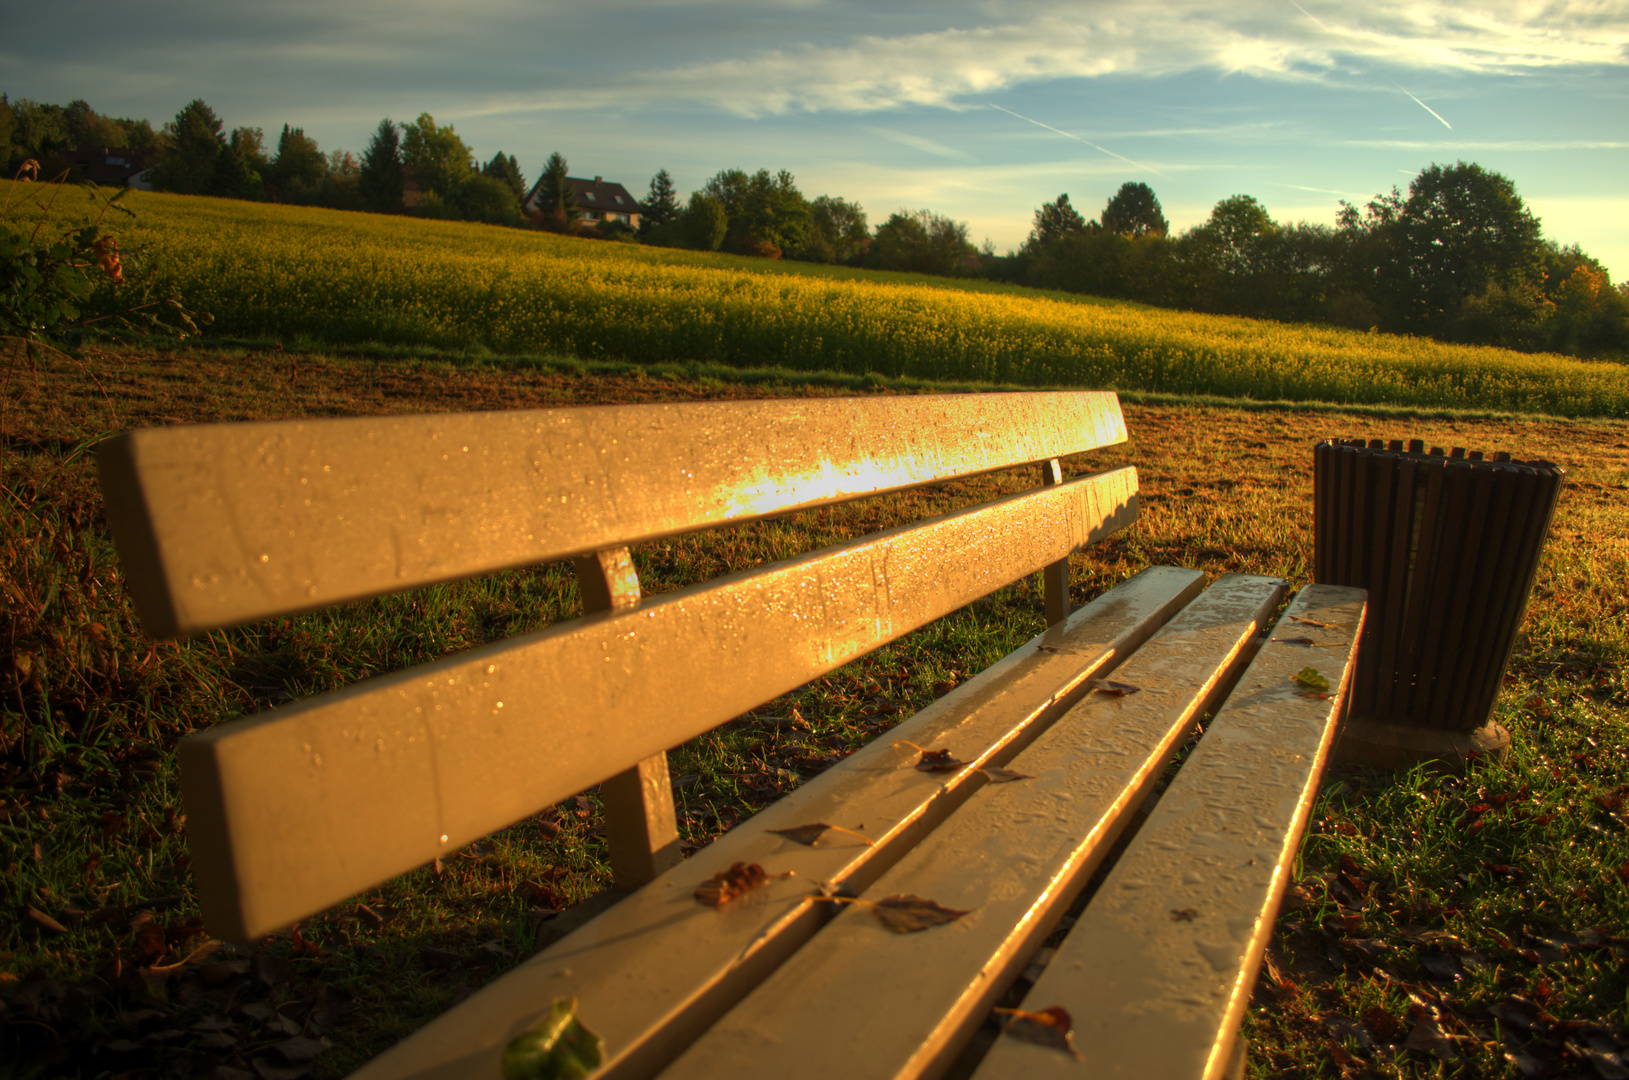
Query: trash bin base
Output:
(1371,741)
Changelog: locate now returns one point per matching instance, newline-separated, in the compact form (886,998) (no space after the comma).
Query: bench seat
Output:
(306,805)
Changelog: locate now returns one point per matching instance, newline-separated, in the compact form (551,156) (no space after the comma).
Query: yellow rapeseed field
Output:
(327,276)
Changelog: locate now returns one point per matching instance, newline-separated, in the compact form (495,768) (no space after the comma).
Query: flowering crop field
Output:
(344,278)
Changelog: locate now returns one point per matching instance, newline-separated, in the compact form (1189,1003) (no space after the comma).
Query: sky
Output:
(980,111)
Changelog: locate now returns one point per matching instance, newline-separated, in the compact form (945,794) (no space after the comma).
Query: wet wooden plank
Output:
(865,1003)
(1158,971)
(220,524)
(652,973)
(300,807)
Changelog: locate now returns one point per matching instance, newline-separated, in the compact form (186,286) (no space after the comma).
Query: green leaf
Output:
(557,1047)
(1311,682)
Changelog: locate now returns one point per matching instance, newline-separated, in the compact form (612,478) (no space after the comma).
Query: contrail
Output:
(1427,108)
(1077,138)
(1311,16)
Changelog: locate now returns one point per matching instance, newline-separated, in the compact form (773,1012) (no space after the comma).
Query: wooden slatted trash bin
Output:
(1448,546)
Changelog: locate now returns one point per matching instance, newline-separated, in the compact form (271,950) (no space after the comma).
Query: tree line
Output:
(1459,257)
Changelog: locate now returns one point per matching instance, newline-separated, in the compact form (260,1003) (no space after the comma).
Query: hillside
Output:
(330,277)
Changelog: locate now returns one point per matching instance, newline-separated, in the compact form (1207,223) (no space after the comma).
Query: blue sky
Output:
(977,110)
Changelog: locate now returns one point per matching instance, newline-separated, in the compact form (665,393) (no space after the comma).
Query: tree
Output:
(1053,221)
(437,157)
(489,199)
(380,179)
(240,171)
(195,145)
(504,167)
(300,167)
(556,199)
(767,214)
(1231,240)
(661,204)
(919,242)
(704,223)
(1134,212)
(836,233)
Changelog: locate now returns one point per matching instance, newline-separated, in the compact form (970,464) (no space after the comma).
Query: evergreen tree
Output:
(381,178)
(504,167)
(556,200)
(661,204)
(300,167)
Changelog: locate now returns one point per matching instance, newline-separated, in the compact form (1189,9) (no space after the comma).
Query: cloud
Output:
(952,66)
(919,142)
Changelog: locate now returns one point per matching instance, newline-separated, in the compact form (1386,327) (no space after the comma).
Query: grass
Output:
(1443,925)
(306,276)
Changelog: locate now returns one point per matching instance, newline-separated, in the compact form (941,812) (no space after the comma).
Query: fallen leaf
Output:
(1312,684)
(558,1047)
(301,1049)
(1308,643)
(1429,1037)
(933,760)
(726,885)
(1004,776)
(1049,1027)
(1383,1025)
(44,921)
(1313,622)
(1187,914)
(904,913)
(808,834)
(1114,689)
(439,959)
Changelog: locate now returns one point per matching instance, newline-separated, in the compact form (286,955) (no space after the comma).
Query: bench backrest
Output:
(299,807)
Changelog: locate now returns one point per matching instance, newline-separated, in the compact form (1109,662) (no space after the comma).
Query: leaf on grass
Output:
(1114,689)
(1004,776)
(1429,1037)
(1049,1027)
(44,921)
(808,834)
(933,760)
(726,885)
(1312,684)
(558,1047)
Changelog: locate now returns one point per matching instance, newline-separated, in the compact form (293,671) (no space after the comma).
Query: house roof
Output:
(596,194)
(110,166)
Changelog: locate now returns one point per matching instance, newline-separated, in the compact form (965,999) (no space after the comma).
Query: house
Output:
(110,166)
(596,201)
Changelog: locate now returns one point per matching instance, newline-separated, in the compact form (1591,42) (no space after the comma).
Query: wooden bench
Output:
(304,806)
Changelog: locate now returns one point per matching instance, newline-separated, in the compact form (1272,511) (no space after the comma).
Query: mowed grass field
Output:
(1442,925)
(302,276)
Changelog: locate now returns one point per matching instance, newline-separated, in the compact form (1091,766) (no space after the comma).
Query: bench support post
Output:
(641,827)
(1055,578)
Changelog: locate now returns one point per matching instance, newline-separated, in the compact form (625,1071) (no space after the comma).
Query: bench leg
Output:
(1055,578)
(641,827)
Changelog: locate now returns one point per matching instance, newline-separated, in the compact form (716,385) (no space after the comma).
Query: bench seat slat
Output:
(222,524)
(651,973)
(301,807)
(1158,971)
(864,1003)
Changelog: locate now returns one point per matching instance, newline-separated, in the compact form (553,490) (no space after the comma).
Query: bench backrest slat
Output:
(300,807)
(228,523)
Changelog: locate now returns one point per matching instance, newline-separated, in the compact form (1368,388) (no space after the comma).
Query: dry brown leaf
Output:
(44,921)
(1313,622)
(933,760)
(904,913)
(1114,689)
(1187,914)
(726,885)
(1048,1027)
(808,834)
(1004,776)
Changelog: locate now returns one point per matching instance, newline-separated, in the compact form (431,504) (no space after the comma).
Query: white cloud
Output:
(951,66)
